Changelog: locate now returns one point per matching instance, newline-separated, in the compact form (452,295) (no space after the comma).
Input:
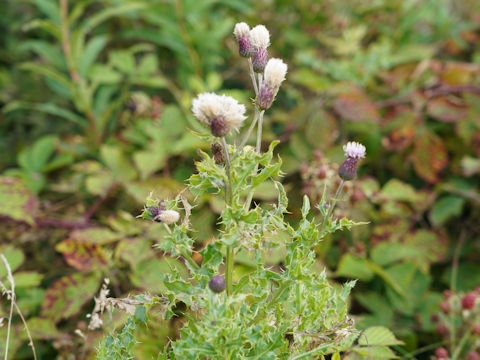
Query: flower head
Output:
(220,112)
(275,72)
(168,216)
(241,29)
(354,150)
(260,37)
(242,33)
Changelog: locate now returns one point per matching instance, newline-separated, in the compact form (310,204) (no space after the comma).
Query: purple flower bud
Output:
(245,48)
(348,169)
(217,284)
(260,59)
(265,97)
(219,126)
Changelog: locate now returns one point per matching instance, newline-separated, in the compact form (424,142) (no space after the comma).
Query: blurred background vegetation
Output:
(95,103)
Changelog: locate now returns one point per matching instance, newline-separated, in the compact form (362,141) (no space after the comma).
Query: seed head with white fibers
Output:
(168,216)
(241,29)
(275,72)
(260,37)
(212,109)
(354,150)
(242,33)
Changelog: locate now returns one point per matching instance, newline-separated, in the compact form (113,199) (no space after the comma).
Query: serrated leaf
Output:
(446,208)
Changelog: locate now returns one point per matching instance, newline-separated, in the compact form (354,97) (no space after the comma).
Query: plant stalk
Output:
(252,76)
(229,261)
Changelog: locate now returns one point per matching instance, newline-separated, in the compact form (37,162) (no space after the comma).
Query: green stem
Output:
(252,76)
(229,261)
(250,129)
(461,344)
(334,202)
(272,301)
(259,150)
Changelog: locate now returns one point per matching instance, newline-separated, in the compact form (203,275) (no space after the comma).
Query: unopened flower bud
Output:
(219,126)
(218,153)
(168,217)
(442,329)
(275,72)
(348,169)
(476,329)
(473,355)
(353,152)
(468,301)
(242,33)
(260,40)
(441,353)
(259,61)
(265,97)
(219,112)
(217,284)
(445,306)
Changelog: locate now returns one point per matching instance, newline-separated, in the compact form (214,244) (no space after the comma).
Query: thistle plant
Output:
(290,311)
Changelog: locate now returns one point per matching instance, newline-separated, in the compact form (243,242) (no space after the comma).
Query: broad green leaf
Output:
(90,54)
(149,275)
(95,235)
(446,208)
(83,256)
(27,279)
(66,296)
(16,200)
(354,267)
(14,257)
(118,163)
(378,336)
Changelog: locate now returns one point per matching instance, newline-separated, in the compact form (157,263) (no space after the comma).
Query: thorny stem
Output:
(334,202)
(250,129)
(259,150)
(252,76)
(229,199)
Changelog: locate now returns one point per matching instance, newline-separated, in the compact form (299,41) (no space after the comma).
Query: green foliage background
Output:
(402,77)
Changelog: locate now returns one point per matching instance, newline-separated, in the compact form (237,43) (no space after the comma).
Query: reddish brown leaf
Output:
(429,156)
(81,255)
(16,200)
(443,109)
(66,296)
(356,106)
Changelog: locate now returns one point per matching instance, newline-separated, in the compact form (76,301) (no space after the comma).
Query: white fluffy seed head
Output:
(208,106)
(275,72)
(168,216)
(354,150)
(260,37)
(241,29)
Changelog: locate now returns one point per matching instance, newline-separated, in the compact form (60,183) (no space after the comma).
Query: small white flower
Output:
(260,37)
(241,30)
(354,150)
(168,216)
(275,72)
(208,106)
